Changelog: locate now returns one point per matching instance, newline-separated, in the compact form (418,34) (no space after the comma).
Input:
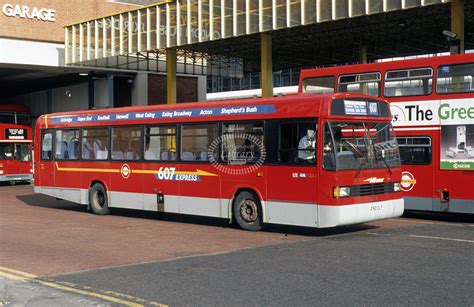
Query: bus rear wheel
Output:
(98,199)
(248,211)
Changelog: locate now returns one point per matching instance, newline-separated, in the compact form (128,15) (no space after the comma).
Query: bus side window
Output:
(67,144)
(196,140)
(95,143)
(297,142)
(126,143)
(242,142)
(455,79)
(408,82)
(47,145)
(415,150)
(160,143)
(319,85)
(367,83)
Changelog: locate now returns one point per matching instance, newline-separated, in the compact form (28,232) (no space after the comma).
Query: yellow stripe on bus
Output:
(138,171)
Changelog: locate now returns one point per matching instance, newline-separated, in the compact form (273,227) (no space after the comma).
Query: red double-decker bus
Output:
(432,102)
(15,144)
(308,160)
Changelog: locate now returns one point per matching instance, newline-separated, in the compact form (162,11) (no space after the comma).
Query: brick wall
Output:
(67,11)
(186,89)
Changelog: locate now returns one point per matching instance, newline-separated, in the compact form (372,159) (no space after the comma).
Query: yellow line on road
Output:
(23,276)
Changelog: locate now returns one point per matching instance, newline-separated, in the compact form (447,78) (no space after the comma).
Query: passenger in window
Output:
(306,146)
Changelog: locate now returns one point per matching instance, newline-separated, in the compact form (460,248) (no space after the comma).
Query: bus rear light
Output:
(396,187)
(339,192)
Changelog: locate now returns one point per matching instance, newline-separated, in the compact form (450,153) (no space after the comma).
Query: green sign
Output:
(458,165)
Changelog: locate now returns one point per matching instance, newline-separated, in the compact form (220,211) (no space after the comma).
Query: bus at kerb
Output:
(15,144)
(306,160)
(432,103)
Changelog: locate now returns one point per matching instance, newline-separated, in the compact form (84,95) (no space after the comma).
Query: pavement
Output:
(55,253)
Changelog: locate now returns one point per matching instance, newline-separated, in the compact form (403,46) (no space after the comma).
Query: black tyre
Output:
(98,199)
(248,211)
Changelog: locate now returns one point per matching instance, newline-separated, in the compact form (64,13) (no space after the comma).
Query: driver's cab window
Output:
(297,142)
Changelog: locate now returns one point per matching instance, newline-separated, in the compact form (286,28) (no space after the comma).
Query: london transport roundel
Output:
(125,171)
(408,181)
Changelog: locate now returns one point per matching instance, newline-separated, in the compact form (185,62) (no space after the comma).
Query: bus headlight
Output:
(396,187)
(1,172)
(341,192)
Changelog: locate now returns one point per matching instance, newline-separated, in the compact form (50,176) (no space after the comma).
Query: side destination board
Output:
(179,113)
(360,107)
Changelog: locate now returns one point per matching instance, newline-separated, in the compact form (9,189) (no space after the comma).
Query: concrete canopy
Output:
(221,37)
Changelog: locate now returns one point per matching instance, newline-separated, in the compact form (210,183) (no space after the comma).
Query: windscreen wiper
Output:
(359,168)
(384,161)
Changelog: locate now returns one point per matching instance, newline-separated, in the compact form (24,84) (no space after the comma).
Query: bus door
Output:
(46,171)
(198,178)
(293,181)
(160,188)
(126,182)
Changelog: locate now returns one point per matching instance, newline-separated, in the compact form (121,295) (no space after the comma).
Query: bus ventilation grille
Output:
(371,189)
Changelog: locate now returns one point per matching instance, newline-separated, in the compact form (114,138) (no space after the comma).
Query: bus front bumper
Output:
(16,177)
(331,216)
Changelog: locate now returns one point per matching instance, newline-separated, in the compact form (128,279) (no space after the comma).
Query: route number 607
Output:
(166,173)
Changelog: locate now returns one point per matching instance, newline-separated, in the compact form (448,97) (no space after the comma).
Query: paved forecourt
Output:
(142,258)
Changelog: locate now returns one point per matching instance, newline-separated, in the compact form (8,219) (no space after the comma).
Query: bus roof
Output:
(14,107)
(294,106)
(382,66)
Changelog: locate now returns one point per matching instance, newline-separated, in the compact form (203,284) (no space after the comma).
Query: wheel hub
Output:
(249,211)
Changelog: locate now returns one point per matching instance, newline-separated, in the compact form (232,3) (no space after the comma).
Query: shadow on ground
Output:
(43,201)
(440,216)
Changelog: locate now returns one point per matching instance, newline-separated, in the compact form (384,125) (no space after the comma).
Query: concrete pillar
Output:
(140,90)
(362,54)
(171,75)
(266,65)
(457,22)
(201,88)
(110,91)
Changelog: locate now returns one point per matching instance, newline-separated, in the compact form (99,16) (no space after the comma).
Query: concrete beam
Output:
(266,65)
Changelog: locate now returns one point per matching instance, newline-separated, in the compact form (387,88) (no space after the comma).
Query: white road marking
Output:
(440,238)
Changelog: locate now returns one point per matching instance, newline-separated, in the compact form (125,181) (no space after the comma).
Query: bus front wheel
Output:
(248,211)
(98,199)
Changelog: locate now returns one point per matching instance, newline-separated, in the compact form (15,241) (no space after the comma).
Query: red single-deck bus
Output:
(15,144)
(308,160)
(432,103)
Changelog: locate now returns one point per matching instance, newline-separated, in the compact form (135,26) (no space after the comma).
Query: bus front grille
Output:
(372,189)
